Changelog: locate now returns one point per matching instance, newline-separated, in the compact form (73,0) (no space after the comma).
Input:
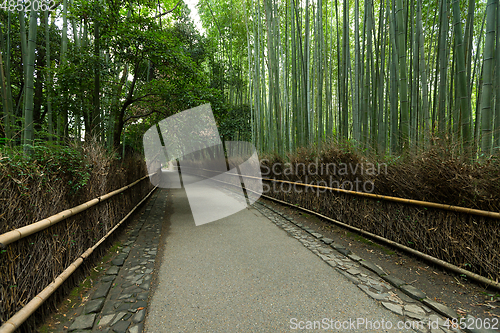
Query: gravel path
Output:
(244,274)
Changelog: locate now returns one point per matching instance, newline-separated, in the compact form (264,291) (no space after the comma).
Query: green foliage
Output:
(234,124)
(149,67)
(47,161)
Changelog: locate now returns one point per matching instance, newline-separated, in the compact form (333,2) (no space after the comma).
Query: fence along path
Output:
(9,237)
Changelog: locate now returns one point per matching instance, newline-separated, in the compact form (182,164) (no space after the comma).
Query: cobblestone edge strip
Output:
(119,302)
(393,293)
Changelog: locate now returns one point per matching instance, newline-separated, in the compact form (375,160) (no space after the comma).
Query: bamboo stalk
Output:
(404,129)
(465,114)
(487,93)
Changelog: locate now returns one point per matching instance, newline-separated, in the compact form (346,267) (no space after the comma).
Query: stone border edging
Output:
(119,303)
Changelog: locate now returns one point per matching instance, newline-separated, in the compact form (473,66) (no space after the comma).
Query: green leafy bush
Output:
(48,162)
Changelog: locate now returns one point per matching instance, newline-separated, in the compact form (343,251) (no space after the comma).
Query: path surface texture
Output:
(245,274)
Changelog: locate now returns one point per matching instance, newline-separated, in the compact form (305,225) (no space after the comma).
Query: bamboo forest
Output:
(389,76)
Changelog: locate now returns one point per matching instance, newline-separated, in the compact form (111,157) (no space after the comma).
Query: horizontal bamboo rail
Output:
(16,234)
(20,317)
(478,212)
(427,204)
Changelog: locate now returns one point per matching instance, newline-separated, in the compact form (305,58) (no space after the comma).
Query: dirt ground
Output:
(448,288)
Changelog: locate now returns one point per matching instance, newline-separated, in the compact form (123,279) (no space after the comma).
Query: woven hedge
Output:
(51,181)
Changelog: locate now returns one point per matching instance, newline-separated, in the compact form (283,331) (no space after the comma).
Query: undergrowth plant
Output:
(50,162)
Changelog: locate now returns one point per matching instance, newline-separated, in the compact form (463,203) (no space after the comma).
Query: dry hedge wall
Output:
(467,241)
(48,184)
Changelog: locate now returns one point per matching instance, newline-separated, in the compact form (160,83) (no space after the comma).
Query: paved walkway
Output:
(243,274)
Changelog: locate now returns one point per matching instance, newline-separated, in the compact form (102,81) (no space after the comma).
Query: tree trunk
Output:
(119,119)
